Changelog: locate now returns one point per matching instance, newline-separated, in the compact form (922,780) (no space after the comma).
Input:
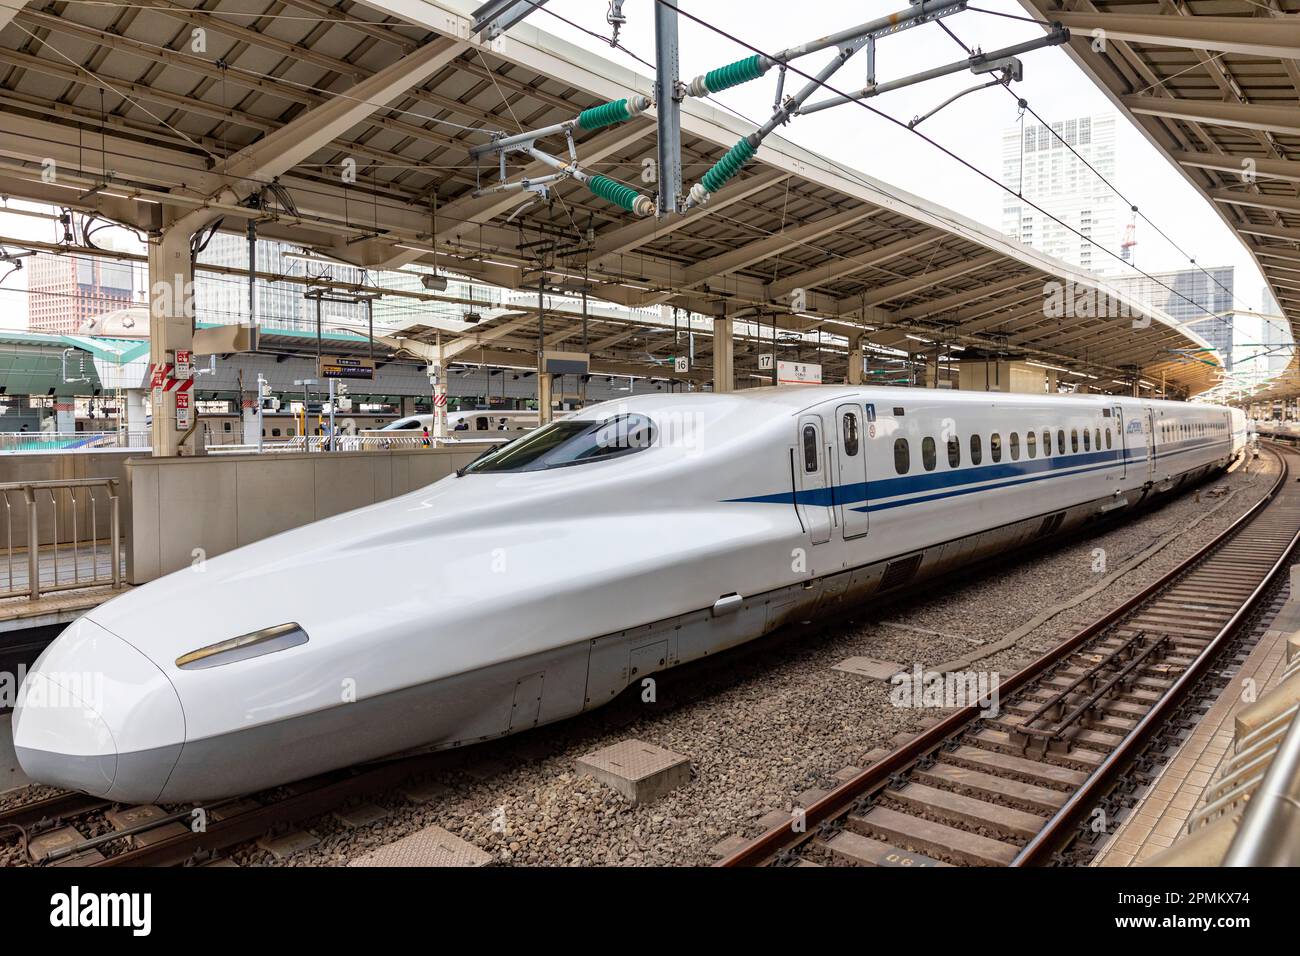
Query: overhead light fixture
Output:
(434,283)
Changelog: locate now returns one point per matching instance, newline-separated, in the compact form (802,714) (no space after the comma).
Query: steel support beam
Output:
(1269,119)
(835,269)
(1277,37)
(1239,165)
(1235,197)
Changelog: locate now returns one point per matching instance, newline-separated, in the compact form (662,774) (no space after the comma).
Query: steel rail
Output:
(783,838)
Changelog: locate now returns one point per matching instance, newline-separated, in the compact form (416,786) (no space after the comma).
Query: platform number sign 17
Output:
(765,362)
(681,364)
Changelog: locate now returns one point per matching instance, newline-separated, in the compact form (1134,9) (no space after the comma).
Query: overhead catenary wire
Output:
(945,150)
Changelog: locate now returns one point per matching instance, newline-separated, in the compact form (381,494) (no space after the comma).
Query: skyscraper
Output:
(63,291)
(1045,171)
(1201,299)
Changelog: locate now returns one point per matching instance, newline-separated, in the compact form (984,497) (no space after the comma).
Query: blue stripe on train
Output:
(960,479)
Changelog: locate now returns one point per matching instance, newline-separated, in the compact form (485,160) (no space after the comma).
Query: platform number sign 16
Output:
(681,363)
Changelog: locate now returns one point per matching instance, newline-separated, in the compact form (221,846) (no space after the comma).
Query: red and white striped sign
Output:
(439,399)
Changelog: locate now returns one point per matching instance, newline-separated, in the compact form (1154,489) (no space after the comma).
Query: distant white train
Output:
(475,421)
(581,558)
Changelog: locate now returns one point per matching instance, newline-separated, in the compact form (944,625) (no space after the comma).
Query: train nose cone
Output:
(94,714)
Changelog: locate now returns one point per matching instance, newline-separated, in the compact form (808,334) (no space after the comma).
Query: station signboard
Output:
(345,366)
(798,373)
(184,364)
(565,363)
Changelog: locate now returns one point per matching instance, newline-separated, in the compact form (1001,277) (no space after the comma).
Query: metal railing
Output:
(59,535)
(395,442)
(71,441)
(1269,834)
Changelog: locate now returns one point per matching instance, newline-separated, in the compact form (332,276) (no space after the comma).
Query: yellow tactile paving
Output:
(1162,815)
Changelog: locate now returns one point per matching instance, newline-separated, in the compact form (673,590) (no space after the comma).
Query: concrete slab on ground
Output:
(432,846)
(640,771)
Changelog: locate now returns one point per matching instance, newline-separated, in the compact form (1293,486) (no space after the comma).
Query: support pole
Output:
(669,106)
(543,380)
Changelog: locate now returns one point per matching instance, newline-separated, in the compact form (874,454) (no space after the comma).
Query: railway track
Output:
(1029,781)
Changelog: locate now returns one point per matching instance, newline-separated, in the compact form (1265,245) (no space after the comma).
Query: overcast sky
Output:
(851,135)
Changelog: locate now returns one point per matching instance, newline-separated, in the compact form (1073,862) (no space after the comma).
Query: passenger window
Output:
(902,456)
(1015,446)
(226,426)
(954,453)
(850,434)
(1096,438)
(976,450)
(1074,439)
(1087,440)
(995,447)
(481,423)
(1060,441)
(1031,440)
(1047,442)
(1107,437)
(809,449)
(928,457)
(275,433)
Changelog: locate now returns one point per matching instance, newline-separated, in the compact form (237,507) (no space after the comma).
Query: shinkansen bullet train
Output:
(577,560)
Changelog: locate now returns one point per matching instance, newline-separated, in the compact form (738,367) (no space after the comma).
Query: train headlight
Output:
(254,644)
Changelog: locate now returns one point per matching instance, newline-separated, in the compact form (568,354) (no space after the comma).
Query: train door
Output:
(1118,412)
(812,480)
(1149,420)
(851,456)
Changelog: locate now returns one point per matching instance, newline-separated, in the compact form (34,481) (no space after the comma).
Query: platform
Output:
(55,606)
(1161,818)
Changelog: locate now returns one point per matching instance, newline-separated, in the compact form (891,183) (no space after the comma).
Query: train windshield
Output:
(560,444)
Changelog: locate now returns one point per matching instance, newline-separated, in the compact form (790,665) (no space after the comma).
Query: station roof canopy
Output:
(1215,85)
(264,108)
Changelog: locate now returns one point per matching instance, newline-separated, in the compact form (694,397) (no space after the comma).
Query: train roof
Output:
(796,398)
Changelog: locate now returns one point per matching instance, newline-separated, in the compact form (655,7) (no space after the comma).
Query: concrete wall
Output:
(62,466)
(1002,376)
(219,503)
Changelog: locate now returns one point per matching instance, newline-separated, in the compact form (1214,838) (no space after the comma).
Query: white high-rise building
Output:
(223,298)
(1044,171)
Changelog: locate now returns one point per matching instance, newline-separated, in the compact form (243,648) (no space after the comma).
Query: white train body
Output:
(478,421)
(514,598)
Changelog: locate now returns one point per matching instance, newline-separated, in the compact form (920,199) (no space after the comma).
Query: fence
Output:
(60,535)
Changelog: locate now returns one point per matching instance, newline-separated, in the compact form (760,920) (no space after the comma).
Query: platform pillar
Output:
(171,327)
(545,388)
(137,417)
(724,352)
(855,359)
(65,414)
